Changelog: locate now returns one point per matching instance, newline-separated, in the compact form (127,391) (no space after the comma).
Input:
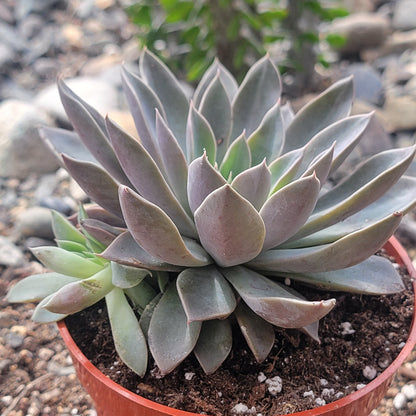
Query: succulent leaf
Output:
(65,141)
(125,277)
(90,127)
(200,138)
(64,230)
(254,184)
(321,165)
(265,142)
(284,169)
(364,186)
(214,344)
(205,294)
(38,286)
(287,210)
(96,183)
(227,79)
(230,228)
(128,337)
(203,179)
(258,333)
(237,159)
(374,276)
(102,233)
(273,302)
(125,250)
(147,179)
(41,315)
(216,108)
(259,92)
(76,296)
(174,161)
(166,87)
(171,338)
(330,106)
(147,313)
(141,295)
(143,104)
(65,262)
(157,234)
(345,252)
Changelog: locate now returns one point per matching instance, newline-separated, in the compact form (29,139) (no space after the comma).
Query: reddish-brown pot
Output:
(113,400)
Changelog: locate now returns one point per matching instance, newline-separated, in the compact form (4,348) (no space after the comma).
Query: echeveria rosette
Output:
(226,195)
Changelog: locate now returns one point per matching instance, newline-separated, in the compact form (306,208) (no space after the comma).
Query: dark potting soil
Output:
(360,335)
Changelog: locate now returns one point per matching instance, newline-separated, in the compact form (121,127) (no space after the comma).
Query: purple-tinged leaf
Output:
(401,197)
(237,158)
(284,169)
(147,179)
(254,184)
(287,210)
(171,338)
(65,141)
(258,333)
(96,183)
(100,231)
(229,227)
(345,133)
(330,106)
(258,93)
(174,161)
(229,82)
(90,127)
(125,250)
(205,294)
(167,88)
(143,104)
(126,277)
(273,301)
(266,141)
(128,337)
(214,344)
(345,252)
(321,165)
(157,234)
(374,276)
(203,178)
(216,108)
(200,138)
(288,114)
(364,186)
(76,296)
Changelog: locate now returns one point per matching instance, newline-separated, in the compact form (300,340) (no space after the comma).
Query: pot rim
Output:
(393,248)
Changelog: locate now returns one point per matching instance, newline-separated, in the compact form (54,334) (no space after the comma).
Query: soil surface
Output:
(361,336)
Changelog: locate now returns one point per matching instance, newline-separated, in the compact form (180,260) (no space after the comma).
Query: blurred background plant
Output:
(189,34)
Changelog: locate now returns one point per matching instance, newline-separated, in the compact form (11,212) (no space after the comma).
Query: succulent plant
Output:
(205,220)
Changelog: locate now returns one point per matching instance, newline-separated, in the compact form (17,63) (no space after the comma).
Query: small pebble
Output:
(261,377)
(399,402)
(409,390)
(369,373)
(274,385)
(320,402)
(189,376)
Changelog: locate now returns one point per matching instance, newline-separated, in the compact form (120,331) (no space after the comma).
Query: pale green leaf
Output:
(237,158)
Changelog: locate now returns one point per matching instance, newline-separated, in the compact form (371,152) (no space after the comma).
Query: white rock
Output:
(369,373)
(399,401)
(10,254)
(323,381)
(320,402)
(189,376)
(346,328)
(309,393)
(239,409)
(404,15)
(327,393)
(360,386)
(261,377)
(22,151)
(409,390)
(274,385)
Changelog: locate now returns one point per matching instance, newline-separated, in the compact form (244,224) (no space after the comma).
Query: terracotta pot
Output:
(113,400)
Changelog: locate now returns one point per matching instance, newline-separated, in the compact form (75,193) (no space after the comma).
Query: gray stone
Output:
(404,16)
(361,31)
(367,82)
(99,94)
(22,151)
(10,254)
(14,339)
(35,222)
(7,56)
